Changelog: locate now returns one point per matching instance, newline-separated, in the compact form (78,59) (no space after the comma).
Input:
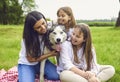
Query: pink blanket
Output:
(12,75)
(9,76)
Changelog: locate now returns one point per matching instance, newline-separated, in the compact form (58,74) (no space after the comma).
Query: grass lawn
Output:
(106,41)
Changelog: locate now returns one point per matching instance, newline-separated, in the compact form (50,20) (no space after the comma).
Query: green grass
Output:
(10,36)
(107,44)
(106,41)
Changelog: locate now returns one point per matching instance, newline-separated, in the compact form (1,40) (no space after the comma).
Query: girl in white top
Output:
(32,50)
(77,61)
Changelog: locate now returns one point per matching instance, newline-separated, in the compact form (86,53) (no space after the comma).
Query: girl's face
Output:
(77,37)
(63,18)
(40,26)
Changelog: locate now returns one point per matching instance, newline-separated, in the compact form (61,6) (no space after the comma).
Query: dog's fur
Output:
(56,35)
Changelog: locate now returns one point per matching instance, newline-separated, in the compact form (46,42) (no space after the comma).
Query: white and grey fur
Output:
(56,35)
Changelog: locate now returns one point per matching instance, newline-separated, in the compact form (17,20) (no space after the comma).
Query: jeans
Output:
(27,73)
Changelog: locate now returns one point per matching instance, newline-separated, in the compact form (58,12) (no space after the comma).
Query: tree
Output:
(10,12)
(28,5)
(118,19)
(3,11)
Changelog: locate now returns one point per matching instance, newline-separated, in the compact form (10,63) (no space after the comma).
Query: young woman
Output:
(77,61)
(32,47)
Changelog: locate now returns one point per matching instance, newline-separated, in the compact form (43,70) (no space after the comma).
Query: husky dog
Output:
(55,36)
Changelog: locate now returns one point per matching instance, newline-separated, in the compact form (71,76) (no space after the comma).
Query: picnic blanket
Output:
(9,76)
(12,76)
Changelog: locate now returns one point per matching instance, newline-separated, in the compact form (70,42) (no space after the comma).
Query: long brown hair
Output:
(30,36)
(87,45)
(69,12)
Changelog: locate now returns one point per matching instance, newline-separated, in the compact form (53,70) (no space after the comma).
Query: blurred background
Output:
(14,11)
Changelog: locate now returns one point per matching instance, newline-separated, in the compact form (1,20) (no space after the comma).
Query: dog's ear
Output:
(54,22)
(51,24)
(52,28)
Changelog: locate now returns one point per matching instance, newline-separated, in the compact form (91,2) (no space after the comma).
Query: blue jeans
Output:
(27,73)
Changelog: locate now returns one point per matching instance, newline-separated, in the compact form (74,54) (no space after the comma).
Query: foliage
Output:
(101,23)
(98,22)
(28,5)
(105,40)
(10,12)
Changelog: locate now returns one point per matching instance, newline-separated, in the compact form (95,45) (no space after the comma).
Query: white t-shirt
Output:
(22,54)
(66,59)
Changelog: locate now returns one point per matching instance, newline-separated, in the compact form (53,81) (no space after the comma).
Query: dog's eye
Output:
(54,32)
(61,32)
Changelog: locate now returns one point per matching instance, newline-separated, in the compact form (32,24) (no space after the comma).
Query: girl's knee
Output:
(108,69)
(63,75)
(112,70)
(69,76)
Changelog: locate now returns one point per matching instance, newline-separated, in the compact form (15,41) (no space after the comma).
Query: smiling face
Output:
(40,26)
(58,35)
(63,18)
(77,37)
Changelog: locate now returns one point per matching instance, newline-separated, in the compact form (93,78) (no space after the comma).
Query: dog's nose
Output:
(58,39)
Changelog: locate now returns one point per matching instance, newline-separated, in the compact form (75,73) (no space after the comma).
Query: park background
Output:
(103,17)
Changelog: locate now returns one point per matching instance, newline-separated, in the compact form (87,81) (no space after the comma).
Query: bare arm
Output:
(42,57)
(86,74)
(79,72)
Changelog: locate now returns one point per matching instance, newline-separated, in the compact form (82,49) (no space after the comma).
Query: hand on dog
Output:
(30,58)
(54,53)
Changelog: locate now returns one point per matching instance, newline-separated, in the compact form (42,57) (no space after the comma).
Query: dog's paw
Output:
(41,79)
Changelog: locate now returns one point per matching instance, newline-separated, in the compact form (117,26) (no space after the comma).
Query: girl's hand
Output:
(54,53)
(45,56)
(30,58)
(90,74)
(93,79)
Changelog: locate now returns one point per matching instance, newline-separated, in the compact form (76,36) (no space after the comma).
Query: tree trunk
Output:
(118,19)
(5,13)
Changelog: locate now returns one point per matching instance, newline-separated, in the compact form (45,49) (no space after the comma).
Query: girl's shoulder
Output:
(66,43)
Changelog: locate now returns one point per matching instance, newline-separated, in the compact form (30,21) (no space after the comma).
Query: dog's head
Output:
(57,35)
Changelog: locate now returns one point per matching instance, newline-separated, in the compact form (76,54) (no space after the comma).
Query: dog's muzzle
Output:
(58,40)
